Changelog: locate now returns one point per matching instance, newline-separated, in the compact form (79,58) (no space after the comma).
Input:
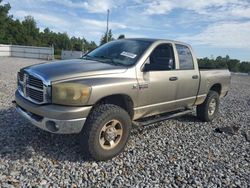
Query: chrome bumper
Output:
(53,125)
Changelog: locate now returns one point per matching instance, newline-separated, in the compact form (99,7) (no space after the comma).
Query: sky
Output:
(212,27)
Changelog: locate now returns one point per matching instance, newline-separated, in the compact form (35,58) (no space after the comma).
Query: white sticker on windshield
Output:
(128,54)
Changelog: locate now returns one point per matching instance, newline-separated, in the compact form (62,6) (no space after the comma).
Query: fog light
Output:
(51,126)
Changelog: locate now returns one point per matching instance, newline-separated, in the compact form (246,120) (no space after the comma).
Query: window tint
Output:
(185,57)
(162,58)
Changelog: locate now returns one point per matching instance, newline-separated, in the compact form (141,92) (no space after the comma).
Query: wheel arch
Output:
(217,88)
(122,100)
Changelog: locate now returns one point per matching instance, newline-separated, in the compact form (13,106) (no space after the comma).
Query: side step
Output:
(156,119)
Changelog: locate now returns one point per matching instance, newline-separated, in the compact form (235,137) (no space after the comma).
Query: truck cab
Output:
(171,69)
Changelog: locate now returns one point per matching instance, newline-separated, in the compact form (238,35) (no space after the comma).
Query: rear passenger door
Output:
(188,76)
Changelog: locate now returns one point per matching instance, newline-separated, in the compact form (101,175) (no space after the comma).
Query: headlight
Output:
(70,94)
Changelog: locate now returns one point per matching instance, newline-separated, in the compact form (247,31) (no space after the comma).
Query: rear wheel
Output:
(105,132)
(208,110)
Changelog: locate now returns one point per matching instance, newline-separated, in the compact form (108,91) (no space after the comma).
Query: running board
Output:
(161,118)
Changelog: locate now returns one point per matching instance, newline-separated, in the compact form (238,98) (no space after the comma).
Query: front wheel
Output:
(208,110)
(105,132)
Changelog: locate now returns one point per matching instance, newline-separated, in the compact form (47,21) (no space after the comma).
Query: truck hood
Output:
(70,69)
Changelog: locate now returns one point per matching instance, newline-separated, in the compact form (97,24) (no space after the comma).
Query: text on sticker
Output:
(128,54)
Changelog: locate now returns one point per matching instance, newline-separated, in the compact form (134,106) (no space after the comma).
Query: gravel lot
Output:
(182,152)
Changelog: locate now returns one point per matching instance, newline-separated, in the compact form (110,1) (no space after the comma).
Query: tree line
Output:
(26,32)
(234,65)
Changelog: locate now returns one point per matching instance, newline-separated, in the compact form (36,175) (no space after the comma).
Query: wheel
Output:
(208,110)
(105,132)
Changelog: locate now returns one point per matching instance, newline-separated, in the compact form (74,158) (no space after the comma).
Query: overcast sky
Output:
(212,27)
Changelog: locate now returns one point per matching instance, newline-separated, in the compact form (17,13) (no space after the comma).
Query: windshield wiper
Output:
(97,58)
(105,57)
(88,57)
(111,60)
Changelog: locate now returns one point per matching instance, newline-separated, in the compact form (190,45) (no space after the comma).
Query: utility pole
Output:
(107,26)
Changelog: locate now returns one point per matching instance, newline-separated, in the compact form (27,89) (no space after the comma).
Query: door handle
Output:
(173,78)
(195,76)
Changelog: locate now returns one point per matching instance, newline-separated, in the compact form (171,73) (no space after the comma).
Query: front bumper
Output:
(53,118)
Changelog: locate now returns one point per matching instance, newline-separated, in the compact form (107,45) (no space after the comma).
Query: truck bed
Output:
(210,77)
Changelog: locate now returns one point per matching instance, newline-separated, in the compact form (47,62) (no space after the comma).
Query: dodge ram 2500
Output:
(122,82)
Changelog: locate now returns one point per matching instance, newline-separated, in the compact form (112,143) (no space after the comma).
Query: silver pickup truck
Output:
(127,81)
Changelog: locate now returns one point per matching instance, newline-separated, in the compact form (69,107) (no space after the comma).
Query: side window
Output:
(185,57)
(162,58)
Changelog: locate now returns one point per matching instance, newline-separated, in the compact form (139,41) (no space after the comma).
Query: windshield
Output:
(119,52)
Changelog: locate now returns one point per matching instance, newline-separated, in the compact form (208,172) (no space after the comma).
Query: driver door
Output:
(157,82)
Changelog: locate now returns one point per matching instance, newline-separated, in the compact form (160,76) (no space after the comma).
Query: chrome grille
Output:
(32,88)
(34,94)
(35,82)
(21,76)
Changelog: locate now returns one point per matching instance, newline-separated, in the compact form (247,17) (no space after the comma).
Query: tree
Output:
(14,32)
(4,21)
(244,67)
(31,31)
(233,65)
(104,37)
(76,44)
(122,36)
(89,46)
(227,58)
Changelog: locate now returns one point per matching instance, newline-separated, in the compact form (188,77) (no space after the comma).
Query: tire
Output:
(204,111)
(105,132)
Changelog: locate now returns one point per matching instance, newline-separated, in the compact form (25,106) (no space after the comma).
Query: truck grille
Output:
(32,88)
(35,82)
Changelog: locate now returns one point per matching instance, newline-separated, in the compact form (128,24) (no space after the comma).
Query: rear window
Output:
(185,57)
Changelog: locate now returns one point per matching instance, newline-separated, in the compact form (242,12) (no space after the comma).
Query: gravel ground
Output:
(182,152)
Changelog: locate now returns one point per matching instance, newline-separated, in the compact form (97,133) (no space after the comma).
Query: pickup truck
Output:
(123,82)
